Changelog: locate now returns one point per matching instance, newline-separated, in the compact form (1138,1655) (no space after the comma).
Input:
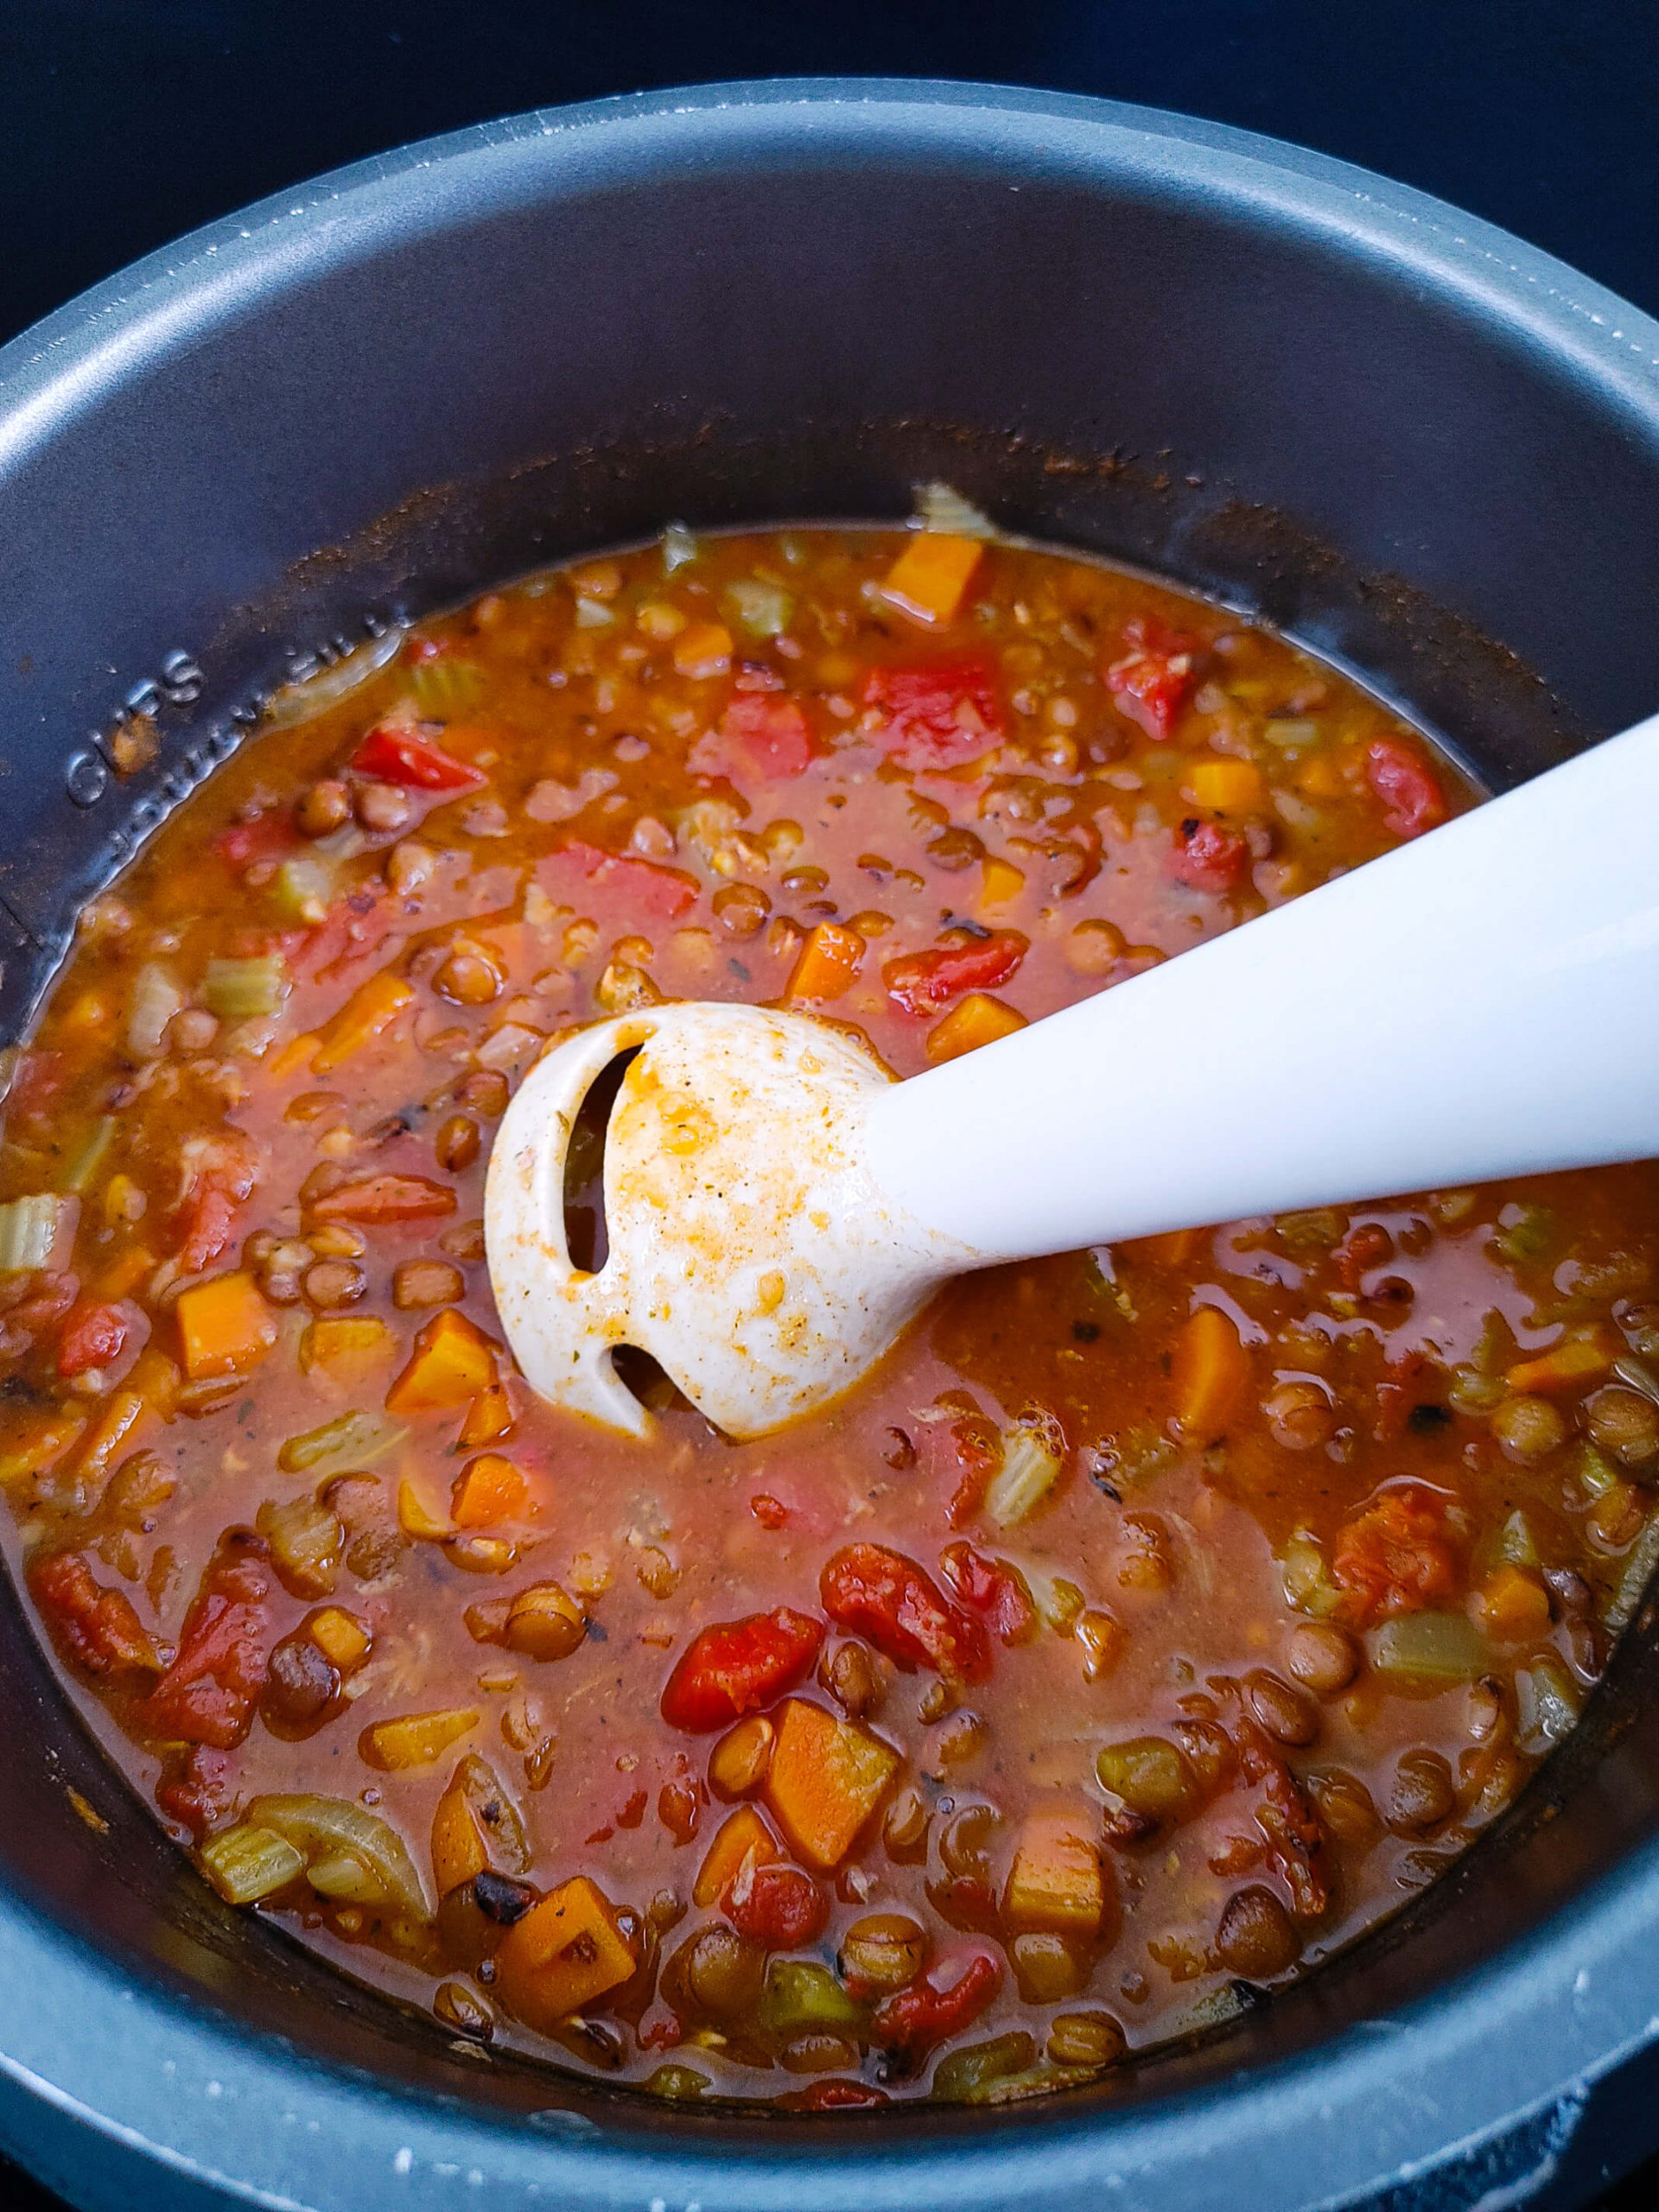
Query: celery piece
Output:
(303,887)
(1434,1650)
(801,1998)
(1293,732)
(1526,1232)
(762,609)
(350,1441)
(1634,1577)
(1319,1230)
(357,1854)
(244,1864)
(679,2084)
(90,1157)
(155,999)
(961,2075)
(28,1230)
(445,687)
(235,990)
(679,548)
(1547,1703)
(1594,1472)
(1029,1471)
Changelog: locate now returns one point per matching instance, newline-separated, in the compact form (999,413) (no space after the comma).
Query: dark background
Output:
(123,122)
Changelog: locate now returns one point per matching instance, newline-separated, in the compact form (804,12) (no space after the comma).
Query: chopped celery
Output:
(1029,1471)
(942,507)
(155,999)
(679,2084)
(679,548)
(352,1439)
(1308,1582)
(803,1998)
(1319,1230)
(1596,1473)
(1634,1577)
(28,1230)
(1526,1232)
(1546,1704)
(244,1864)
(762,609)
(235,990)
(1434,1650)
(1292,732)
(89,1158)
(357,1855)
(445,687)
(303,887)
(962,2074)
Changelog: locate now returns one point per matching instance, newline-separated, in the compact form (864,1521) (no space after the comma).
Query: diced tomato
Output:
(737,1667)
(195,1787)
(207,1220)
(38,1077)
(381,1198)
(971,1449)
(94,1335)
(1289,1828)
(208,1693)
(649,892)
(923,982)
(1152,679)
(1367,1245)
(837,2094)
(912,2020)
(993,1587)
(1396,1556)
(392,753)
(761,738)
(897,1606)
(267,837)
(1408,787)
(779,1906)
(938,716)
(1206,857)
(96,1628)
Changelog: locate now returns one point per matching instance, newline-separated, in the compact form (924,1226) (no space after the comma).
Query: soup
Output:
(1145,1626)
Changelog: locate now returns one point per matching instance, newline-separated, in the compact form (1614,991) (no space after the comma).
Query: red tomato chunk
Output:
(739,1667)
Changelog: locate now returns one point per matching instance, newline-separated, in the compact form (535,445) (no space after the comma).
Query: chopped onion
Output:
(30,1228)
(155,999)
(349,1853)
(238,990)
(679,548)
(1029,1469)
(297,702)
(941,507)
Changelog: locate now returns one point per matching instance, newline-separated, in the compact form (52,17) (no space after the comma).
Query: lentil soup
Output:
(1146,1627)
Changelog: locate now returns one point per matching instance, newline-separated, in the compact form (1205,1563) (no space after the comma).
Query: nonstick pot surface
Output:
(1422,449)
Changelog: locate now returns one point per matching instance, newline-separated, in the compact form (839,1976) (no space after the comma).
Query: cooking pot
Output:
(1424,449)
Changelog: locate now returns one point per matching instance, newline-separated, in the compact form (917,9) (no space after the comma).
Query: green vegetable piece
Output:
(1516,1545)
(1292,732)
(29,1230)
(803,1998)
(1547,1705)
(1030,1469)
(1593,1472)
(762,609)
(1432,1649)
(679,2084)
(301,888)
(244,1863)
(1472,1392)
(349,1440)
(86,1162)
(1527,1232)
(1320,1229)
(963,2075)
(350,1854)
(239,990)
(443,687)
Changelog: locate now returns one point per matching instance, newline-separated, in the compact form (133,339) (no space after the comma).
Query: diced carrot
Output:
(487,1489)
(1057,1884)
(371,1010)
(417,1739)
(1511,1605)
(458,1847)
(1225,787)
(452,1361)
(37,1446)
(125,1274)
(744,1839)
(827,962)
(929,577)
(224,1326)
(977,1020)
(293,1057)
(346,1351)
(566,1951)
(1000,881)
(1174,1249)
(826,1779)
(340,1636)
(487,1418)
(1565,1365)
(1211,1367)
(702,649)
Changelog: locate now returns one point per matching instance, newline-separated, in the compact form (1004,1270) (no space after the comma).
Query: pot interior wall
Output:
(561,342)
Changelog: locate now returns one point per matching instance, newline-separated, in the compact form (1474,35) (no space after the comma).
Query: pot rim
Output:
(1521,2037)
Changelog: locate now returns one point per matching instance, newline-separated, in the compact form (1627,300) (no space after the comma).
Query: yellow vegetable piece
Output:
(929,577)
(123,1276)
(1226,786)
(826,1778)
(1564,1366)
(1511,1605)
(293,1057)
(702,649)
(566,1951)
(458,1846)
(347,1351)
(488,1418)
(149,1392)
(37,1444)
(370,1010)
(975,1020)
(452,1361)
(744,1839)
(827,962)
(999,882)
(417,1739)
(341,1636)
(1212,1368)
(476,1826)
(225,1326)
(1057,1884)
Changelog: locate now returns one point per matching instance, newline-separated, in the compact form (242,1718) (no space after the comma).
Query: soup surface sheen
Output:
(1149,1623)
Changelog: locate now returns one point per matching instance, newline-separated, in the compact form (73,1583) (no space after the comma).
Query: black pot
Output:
(1424,449)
